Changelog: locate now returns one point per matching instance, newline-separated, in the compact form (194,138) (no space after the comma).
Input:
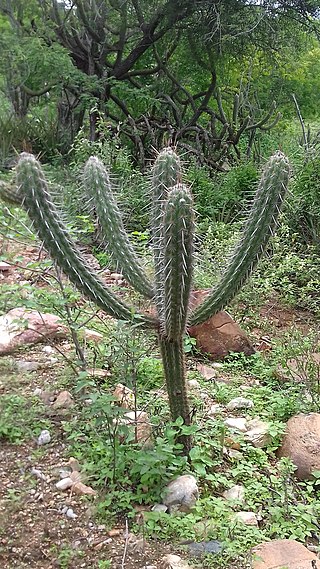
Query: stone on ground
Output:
(219,335)
(258,433)
(240,403)
(301,443)
(282,553)
(173,562)
(20,327)
(63,401)
(247,518)
(236,492)
(124,396)
(181,494)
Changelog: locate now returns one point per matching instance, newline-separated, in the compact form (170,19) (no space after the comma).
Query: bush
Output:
(303,210)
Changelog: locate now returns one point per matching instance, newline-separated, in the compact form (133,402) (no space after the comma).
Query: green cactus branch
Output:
(37,201)
(178,230)
(98,183)
(261,223)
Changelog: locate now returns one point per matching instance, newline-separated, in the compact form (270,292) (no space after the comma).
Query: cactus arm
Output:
(98,183)
(259,227)
(178,229)
(166,173)
(51,230)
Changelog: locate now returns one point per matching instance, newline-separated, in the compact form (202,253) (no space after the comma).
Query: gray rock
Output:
(38,474)
(240,403)
(247,518)
(215,409)
(173,562)
(181,494)
(236,423)
(197,549)
(64,484)
(27,366)
(44,438)
(234,493)
(257,433)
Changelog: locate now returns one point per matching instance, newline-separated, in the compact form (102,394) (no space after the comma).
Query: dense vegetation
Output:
(226,84)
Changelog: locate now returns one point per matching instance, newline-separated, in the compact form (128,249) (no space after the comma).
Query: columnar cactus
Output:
(172,240)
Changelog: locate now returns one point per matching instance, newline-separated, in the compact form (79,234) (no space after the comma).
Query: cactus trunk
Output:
(175,375)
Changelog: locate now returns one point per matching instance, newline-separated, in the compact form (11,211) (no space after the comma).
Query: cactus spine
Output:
(172,239)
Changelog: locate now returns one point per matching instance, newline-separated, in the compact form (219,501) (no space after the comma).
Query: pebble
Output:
(215,409)
(159,508)
(70,514)
(64,484)
(44,438)
(236,492)
(193,384)
(48,349)
(38,474)
(240,403)
(237,423)
(203,547)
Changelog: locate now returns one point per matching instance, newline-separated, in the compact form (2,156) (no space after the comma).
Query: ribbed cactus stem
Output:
(166,173)
(36,199)
(98,183)
(261,223)
(178,234)
(174,370)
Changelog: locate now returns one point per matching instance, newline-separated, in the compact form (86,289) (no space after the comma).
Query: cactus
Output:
(172,240)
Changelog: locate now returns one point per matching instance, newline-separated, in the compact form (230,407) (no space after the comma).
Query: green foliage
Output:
(29,424)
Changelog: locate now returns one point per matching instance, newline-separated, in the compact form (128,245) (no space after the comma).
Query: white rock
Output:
(64,400)
(159,508)
(64,484)
(236,492)
(48,350)
(44,438)
(248,518)
(173,562)
(240,403)
(182,493)
(193,384)
(4,267)
(215,409)
(257,433)
(237,423)
(70,514)
(92,335)
(38,392)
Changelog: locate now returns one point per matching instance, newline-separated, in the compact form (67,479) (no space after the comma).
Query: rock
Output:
(257,433)
(83,490)
(25,366)
(159,508)
(215,409)
(92,335)
(4,267)
(38,474)
(234,493)
(181,494)
(247,518)
(207,371)
(63,401)
(44,438)
(48,350)
(124,396)
(232,453)
(193,384)
(219,335)
(70,514)
(116,276)
(20,327)
(199,548)
(173,562)
(74,464)
(240,403)
(140,421)
(64,483)
(46,396)
(236,423)
(283,553)
(301,443)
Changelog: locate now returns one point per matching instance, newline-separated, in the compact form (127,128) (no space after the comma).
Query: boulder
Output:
(281,553)
(64,400)
(20,327)
(219,335)
(124,396)
(301,443)
(181,493)
(247,518)
(258,433)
